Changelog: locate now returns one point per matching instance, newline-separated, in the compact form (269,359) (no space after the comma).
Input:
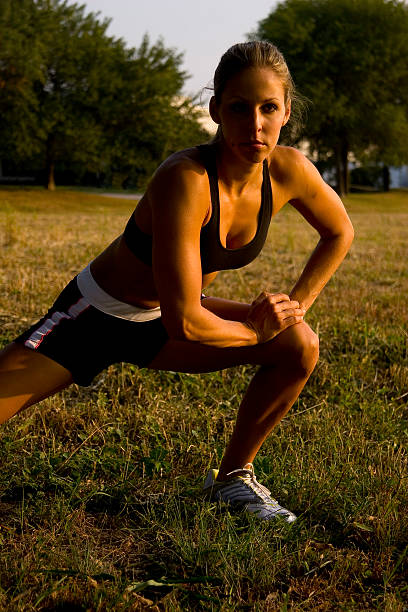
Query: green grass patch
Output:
(100,505)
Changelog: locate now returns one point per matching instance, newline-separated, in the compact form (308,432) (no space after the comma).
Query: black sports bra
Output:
(214,256)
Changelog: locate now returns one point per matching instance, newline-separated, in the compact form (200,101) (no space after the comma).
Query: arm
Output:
(179,197)
(324,210)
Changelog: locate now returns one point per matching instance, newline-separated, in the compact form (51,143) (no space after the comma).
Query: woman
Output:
(206,209)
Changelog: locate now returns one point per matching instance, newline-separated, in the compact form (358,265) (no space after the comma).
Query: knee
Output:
(301,349)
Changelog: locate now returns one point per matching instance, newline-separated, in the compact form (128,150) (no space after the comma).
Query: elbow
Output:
(344,237)
(190,332)
(349,235)
(345,240)
(181,328)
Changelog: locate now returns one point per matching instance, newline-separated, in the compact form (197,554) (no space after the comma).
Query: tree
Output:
(350,58)
(69,92)
(146,118)
(20,66)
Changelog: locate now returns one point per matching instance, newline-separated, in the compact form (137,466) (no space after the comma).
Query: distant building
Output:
(399,177)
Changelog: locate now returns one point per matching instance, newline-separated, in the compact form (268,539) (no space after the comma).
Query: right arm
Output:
(179,200)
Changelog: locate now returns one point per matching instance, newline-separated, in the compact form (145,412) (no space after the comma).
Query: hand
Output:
(271,313)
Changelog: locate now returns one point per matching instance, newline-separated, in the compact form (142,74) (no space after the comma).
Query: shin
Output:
(271,393)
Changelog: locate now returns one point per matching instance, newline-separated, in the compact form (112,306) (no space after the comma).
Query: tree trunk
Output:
(342,169)
(50,175)
(386,178)
(339,172)
(50,163)
(345,166)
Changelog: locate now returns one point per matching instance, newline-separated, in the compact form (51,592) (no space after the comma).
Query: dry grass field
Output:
(100,505)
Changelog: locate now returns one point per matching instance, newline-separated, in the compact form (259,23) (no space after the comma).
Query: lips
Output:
(254,143)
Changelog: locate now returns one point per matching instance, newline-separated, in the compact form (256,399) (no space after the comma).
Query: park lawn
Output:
(100,505)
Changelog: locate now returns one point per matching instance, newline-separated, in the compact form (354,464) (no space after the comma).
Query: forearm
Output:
(229,310)
(217,323)
(321,266)
(224,323)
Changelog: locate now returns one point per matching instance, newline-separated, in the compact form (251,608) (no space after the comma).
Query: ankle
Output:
(231,473)
(221,476)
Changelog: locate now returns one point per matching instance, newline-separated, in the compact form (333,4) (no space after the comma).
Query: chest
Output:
(236,229)
(238,218)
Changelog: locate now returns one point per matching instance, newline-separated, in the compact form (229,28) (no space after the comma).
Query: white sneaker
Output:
(243,492)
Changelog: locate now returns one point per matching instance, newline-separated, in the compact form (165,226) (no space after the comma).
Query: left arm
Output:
(324,210)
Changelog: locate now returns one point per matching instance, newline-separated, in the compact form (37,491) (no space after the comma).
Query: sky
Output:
(201,29)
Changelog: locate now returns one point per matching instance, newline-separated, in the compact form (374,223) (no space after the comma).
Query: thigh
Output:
(26,377)
(181,356)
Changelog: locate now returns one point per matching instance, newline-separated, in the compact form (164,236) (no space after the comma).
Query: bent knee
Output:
(301,346)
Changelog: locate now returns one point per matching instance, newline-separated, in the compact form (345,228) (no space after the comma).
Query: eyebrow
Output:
(242,98)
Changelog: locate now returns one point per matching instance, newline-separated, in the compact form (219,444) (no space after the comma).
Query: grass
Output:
(100,504)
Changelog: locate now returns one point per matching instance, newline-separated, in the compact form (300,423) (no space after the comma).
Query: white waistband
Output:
(101,300)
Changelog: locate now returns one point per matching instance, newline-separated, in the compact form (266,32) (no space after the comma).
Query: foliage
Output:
(149,120)
(71,93)
(350,58)
(20,66)
(100,487)
(367,176)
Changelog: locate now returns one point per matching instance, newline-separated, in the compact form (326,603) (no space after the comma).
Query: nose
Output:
(256,121)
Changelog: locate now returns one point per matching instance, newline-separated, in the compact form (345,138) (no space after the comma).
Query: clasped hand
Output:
(271,313)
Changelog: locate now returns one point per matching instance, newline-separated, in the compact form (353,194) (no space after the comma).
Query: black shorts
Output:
(85,340)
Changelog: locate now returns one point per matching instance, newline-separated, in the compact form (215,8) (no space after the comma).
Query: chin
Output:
(244,153)
(253,156)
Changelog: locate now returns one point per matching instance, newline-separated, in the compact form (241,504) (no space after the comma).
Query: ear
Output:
(213,111)
(287,113)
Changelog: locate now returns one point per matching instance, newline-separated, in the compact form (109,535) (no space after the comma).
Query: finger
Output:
(290,305)
(293,320)
(291,312)
(276,298)
(287,314)
(260,298)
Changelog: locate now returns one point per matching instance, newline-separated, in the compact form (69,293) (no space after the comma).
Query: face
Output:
(251,113)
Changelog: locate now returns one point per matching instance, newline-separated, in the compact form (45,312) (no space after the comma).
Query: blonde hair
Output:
(260,54)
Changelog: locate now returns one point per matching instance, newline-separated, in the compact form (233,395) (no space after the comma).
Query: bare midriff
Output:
(123,276)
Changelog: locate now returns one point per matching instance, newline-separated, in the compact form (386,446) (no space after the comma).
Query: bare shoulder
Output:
(187,158)
(282,156)
(181,176)
(305,190)
(294,172)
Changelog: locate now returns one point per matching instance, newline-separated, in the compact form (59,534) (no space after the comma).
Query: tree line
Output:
(72,97)
(350,59)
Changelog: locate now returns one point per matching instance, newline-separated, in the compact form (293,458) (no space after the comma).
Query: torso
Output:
(121,274)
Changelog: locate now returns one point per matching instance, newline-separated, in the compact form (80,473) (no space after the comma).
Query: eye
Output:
(238,107)
(269,107)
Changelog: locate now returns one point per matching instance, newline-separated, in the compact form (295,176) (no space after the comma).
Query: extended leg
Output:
(27,377)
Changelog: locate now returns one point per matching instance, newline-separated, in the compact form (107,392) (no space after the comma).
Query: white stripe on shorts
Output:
(101,300)
(38,336)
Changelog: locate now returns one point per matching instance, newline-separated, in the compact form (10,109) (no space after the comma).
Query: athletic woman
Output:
(206,209)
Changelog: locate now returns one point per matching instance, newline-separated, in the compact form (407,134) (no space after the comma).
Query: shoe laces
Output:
(247,475)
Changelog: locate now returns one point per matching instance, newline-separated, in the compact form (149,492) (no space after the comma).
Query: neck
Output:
(234,172)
